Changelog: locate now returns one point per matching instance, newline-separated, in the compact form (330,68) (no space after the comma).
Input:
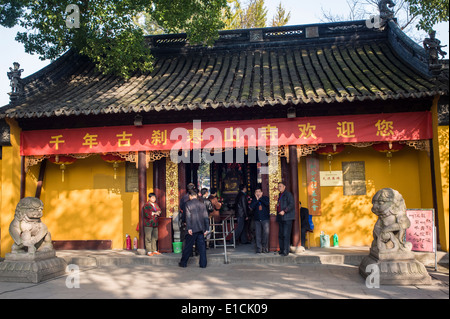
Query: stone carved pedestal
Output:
(396,269)
(32,268)
(390,253)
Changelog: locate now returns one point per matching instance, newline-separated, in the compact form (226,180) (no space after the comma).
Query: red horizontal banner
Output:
(210,135)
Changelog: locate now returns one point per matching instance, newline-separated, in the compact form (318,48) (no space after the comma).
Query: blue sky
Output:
(302,12)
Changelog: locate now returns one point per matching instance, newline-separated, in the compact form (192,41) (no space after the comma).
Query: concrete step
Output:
(240,255)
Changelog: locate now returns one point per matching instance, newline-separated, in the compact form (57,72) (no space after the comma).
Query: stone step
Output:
(216,257)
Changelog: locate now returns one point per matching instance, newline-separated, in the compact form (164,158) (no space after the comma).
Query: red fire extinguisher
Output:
(128,241)
(135,243)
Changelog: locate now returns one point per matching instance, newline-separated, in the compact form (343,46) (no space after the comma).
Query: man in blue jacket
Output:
(261,214)
(197,226)
(285,216)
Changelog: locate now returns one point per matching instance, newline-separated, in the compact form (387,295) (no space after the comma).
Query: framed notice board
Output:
(421,234)
(354,176)
(131,178)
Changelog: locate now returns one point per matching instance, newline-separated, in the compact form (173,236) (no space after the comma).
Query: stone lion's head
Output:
(388,201)
(30,208)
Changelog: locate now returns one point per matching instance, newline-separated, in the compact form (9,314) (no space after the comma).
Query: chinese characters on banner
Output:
(421,232)
(313,185)
(211,135)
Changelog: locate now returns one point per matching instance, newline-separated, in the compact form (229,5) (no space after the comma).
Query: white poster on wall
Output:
(331,178)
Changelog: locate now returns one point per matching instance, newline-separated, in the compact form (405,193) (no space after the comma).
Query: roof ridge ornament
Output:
(386,14)
(14,75)
(434,50)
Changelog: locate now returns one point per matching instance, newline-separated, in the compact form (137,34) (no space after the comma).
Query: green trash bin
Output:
(177,247)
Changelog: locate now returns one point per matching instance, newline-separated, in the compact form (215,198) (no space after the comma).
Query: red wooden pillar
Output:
(142,182)
(293,168)
(273,226)
(41,178)
(164,222)
(181,180)
(273,234)
(23,178)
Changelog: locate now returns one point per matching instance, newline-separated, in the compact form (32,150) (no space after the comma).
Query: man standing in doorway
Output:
(197,225)
(285,216)
(261,213)
(241,206)
(304,223)
(182,216)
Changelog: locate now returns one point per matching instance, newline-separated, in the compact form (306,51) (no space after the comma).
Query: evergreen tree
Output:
(106,32)
(253,15)
(280,18)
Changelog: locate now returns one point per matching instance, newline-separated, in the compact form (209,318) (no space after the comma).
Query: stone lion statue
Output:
(390,228)
(27,230)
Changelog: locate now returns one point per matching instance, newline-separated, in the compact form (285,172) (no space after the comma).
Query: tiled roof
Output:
(343,62)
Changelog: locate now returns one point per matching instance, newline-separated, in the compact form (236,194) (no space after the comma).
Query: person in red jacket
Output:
(151,214)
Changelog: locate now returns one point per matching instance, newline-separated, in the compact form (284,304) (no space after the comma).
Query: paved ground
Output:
(232,281)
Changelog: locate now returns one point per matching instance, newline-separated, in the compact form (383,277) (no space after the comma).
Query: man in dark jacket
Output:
(182,218)
(261,214)
(241,206)
(285,216)
(197,225)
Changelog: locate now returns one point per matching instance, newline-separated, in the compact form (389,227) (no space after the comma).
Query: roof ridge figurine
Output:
(14,75)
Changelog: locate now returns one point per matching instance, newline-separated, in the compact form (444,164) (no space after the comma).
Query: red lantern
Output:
(62,161)
(388,148)
(114,159)
(330,150)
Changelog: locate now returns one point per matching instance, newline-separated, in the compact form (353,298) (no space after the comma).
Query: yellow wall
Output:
(88,205)
(350,217)
(440,149)
(443,158)
(10,190)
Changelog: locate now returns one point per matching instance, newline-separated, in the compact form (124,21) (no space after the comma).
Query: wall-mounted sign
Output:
(421,232)
(331,178)
(354,174)
(209,135)
(313,184)
(131,178)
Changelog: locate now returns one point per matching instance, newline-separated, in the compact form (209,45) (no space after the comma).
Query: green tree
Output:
(146,22)
(280,18)
(253,15)
(107,33)
(431,12)
(232,15)
(423,14)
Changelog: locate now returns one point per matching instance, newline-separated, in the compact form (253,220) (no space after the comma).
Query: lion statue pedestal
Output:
(390,251)
(32,258)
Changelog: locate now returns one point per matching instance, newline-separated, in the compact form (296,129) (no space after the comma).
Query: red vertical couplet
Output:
(293,168)
(142,182)
(313,185)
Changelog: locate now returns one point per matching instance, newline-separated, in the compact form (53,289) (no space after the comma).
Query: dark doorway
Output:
(225,177)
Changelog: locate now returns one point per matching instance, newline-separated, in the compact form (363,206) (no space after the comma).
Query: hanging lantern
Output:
(62,161)
(388,148)
(330,150)
(114,159)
